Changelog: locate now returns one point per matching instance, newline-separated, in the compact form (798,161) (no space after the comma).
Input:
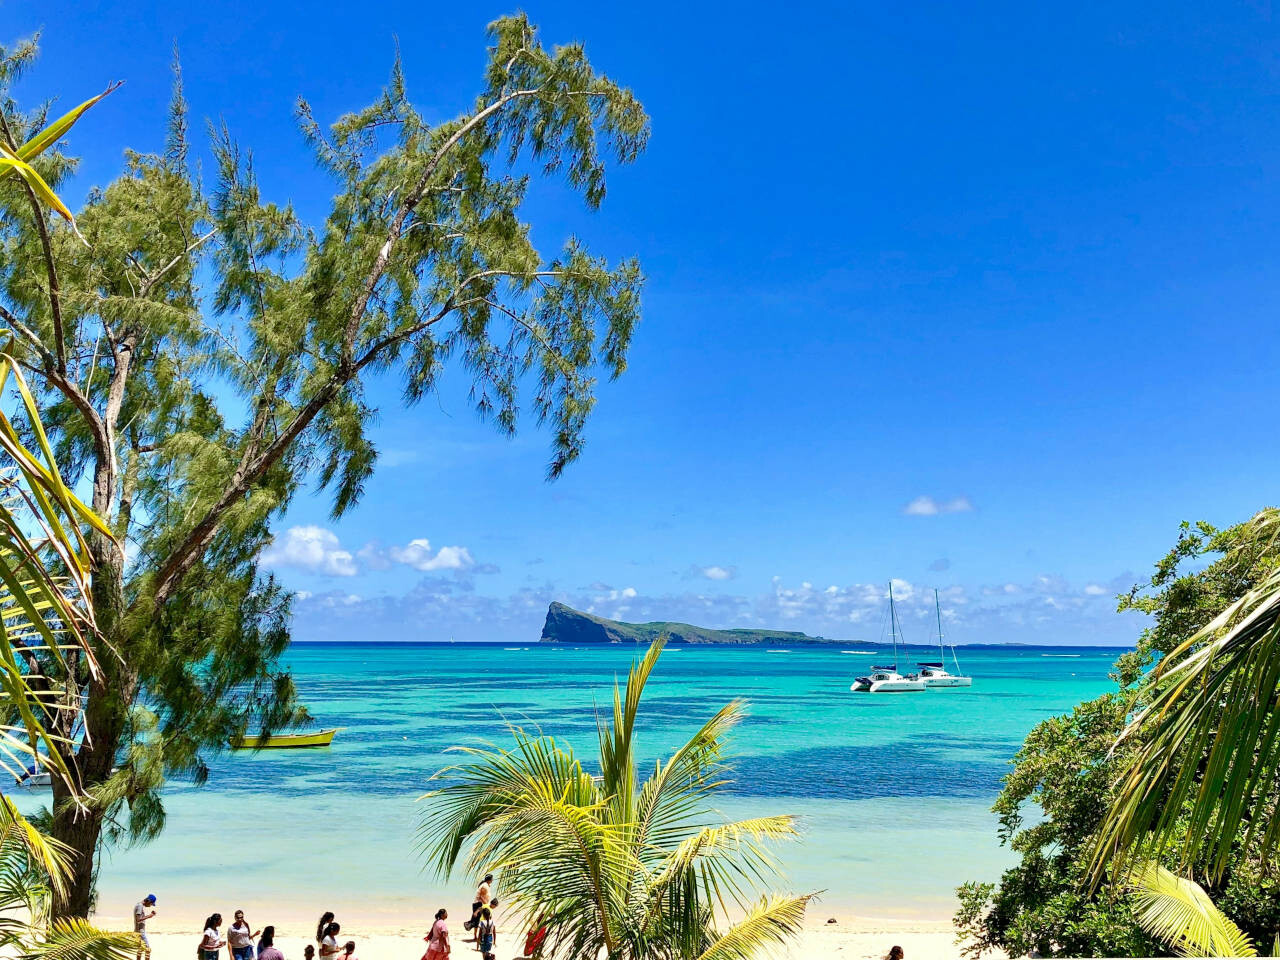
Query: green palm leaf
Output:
(1210,737)
(772,923)
(72,938)
(1177,911)
(16,160)
(611,866)
(44,589)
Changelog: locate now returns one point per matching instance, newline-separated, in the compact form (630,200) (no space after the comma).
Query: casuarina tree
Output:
(202,354)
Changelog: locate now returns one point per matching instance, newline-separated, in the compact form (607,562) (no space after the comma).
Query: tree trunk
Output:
(105,715)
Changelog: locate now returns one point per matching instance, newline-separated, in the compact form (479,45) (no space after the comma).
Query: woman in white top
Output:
(240,937)
(329,949)
(212,943)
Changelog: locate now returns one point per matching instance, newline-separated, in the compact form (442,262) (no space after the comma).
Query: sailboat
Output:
(936,674)
(887,679)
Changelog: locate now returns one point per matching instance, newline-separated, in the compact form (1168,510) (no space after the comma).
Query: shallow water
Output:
(894,790)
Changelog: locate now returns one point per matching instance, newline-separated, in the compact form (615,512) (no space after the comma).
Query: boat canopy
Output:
(892,666)
(920,663)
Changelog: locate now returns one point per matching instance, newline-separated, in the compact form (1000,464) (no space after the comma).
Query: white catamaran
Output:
(935,674)
(887,679)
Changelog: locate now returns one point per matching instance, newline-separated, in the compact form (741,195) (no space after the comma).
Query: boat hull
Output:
(898,686)
(948,681)
(284,741)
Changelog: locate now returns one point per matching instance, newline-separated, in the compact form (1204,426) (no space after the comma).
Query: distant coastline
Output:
(566,626)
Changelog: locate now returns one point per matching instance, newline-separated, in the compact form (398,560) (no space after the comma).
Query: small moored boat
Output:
(934,673)
(887,679)
(34,776)
(319,738)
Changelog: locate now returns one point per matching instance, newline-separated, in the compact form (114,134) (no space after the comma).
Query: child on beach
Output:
(349,951)
(486,933)
(309,952)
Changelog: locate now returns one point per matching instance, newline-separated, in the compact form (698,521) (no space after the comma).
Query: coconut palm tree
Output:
(1204,773)
(1177,911)
(612,866)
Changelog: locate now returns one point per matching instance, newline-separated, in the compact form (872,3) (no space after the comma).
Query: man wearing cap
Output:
(142,912)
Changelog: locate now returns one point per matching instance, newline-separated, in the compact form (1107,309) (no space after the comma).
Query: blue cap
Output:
(151,897)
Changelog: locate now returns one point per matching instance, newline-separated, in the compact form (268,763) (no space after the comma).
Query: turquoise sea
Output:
(894,790)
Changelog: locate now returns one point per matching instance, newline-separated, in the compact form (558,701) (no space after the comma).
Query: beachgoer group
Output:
(243,942)
(240,938)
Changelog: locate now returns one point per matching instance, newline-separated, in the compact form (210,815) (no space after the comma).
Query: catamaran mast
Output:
(937,605)
(893,617)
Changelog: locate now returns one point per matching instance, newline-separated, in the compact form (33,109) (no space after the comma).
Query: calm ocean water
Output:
(894,790)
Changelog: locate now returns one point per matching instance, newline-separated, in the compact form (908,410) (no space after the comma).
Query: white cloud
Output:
(374,556)
(417,554)
(310,548)
(1094,590)
(717,572)
(926,506)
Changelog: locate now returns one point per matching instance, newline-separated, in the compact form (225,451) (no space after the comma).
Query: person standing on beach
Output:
(142,912)
(486,933)
(438,937)
(325,919)
(267,949)
(481,901)
(212,943)
(329,948)
(240,937)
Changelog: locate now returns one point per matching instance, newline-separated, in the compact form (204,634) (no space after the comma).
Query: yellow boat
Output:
(321,738)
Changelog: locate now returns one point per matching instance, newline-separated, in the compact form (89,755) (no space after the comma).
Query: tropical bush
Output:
(1063,783)
(614,866)
(1202,774)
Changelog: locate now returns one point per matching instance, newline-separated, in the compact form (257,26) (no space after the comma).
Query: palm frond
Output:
(675,791)
(1210,735)
(72,938)
(488,784)
(767,927)
(617,757)
(44,587)
(50,857)
(1177,911)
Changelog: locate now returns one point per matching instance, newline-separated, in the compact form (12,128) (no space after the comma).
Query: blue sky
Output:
(976,297)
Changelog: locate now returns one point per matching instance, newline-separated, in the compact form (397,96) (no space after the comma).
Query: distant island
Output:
(567,625)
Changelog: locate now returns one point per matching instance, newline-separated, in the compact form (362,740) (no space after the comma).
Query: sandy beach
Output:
(850,937)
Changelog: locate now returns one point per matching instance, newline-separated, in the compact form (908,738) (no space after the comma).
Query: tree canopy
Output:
(203,353)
